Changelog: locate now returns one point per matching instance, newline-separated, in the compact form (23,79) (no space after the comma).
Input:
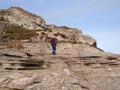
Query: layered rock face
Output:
(18,16)
(70,40)
(28,64)
(21,70)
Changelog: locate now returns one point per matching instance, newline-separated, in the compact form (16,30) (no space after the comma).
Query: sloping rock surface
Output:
(58,72)
(78,65)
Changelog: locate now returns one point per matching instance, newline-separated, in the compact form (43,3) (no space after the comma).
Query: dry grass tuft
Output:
(12,44)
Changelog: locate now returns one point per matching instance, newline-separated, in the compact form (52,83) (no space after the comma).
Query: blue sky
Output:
(97,18)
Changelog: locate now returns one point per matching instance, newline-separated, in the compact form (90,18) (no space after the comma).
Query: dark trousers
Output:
(53,48)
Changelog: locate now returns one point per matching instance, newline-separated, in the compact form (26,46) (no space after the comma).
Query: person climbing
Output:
(54,44)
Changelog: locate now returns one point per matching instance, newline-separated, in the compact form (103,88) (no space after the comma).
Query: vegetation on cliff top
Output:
(18,33)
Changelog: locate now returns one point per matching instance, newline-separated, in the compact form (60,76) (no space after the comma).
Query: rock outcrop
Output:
(18,16)
(70,40)
(27,63)
(36,71)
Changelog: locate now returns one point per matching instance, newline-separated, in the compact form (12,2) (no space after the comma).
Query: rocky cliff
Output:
(18,16)
(70,39)
(26,62)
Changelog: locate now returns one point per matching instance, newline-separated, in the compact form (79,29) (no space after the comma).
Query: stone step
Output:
(22,65)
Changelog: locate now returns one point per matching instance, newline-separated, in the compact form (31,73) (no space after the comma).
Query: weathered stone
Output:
(29,21)
(21,83)
(13,53)
(78,65)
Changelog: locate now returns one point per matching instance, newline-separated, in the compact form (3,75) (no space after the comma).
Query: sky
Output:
(97,18)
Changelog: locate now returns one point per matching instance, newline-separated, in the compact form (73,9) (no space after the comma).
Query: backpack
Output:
(54,41)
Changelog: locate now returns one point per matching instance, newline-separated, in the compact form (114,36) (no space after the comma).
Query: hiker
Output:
(54,44)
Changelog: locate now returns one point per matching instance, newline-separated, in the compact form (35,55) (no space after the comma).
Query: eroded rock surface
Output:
(27,64)
(58,72)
